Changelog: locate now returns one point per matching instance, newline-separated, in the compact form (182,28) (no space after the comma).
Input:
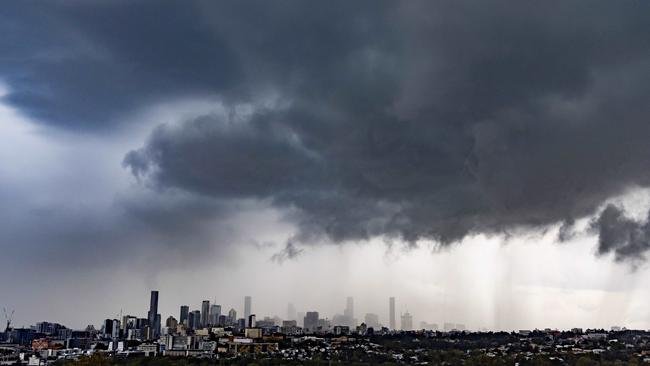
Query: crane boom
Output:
(8,318)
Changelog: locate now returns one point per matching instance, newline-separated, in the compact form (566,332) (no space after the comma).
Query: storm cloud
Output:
(402,120)
(627,238)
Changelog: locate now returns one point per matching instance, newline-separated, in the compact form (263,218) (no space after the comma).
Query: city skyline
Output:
(313,319)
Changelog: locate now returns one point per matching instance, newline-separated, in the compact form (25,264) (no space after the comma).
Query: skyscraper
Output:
(247,306)
(215,312)
(197,319)
(372,321)
(171,322)
(311,321)
(232,317)
(185,310)
(348,313)
(205,313)
(391,312)
(153,316)
(407,321)
(291,312)
(190,320)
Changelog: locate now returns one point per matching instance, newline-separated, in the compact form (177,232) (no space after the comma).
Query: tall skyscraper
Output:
(171,322)
(407,321)
(372,321)
(348,313)
(232,316)
(108,328)
(185,310)
(311,321)
(215,312)
(196,315)
(190,320)
(391,312)
(247,306)
(205,313)
(291,312)
(153,316)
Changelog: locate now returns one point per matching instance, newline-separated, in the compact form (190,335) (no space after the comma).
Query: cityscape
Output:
(324,182)
(210,333)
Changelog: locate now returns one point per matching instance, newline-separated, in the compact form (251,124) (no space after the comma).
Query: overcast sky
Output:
(486,164)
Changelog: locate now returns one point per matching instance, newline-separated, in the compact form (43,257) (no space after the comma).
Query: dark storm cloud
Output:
(627,238)
(411,120)
(84,64)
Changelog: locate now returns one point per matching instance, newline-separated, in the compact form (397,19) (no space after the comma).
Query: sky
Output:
(486,164)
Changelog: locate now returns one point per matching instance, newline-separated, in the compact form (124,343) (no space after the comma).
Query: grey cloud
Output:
(290,251)
(626,238)
(409,120)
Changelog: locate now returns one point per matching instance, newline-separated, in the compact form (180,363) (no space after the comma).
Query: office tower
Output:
(171,322)
(372,321)
(130,322)
(223,320)
(185,310)
(291,312)
(205,313)
(108,328)
(300,318)
(153,316)
(407,321)
(251,321)
(116,329)
(348,313)
(240,324)
(247,306)
(232,317)
(190,320)
(158,325)
(391,312)
(215,312)
(311,321)
(197,319)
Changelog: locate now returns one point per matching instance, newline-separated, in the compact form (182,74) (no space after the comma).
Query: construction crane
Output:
(8,318)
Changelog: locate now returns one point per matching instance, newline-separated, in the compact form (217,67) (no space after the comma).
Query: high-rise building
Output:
(232,317)
(291,312)
(407,321)
(196,314)
(372,321)
(251,321)
(215,312)
(153,316)
(311,321)
(391,312)
(348,313)
(171,322)
(185,310)
(247,306)
(205,313)
(190,320)
(107,328)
